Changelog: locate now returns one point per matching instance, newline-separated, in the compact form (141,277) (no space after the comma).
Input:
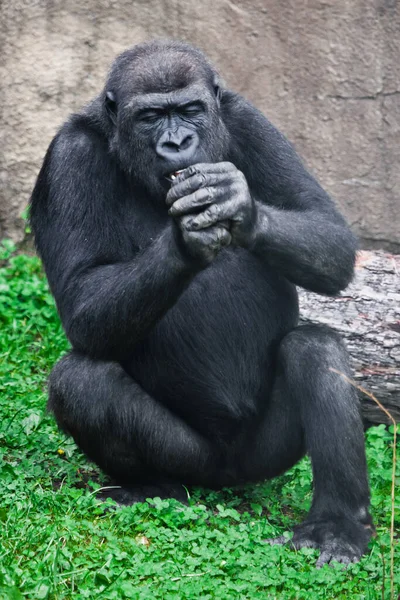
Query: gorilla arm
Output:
(107,299)
(297,230)
(277,210)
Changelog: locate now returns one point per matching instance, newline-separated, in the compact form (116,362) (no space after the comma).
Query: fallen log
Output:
(367,315)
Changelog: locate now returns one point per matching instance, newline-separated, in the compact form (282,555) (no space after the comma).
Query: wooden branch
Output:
(367,315)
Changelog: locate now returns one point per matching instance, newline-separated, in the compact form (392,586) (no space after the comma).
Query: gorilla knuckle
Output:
(202,179)
(234,189)
(210,192)
(212,211)
(185,222)
(199,196)
(223,236)
(239,180)
(171,196)
(241,177)
(192,170)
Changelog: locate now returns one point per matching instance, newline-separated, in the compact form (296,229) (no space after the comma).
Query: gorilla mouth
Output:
(173,175)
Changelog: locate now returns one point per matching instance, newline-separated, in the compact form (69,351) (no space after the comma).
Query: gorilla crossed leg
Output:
(134,437)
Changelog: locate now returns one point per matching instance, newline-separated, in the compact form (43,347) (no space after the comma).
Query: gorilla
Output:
(174,222)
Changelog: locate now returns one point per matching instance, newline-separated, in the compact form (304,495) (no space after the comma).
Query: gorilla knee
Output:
(314,351)
(66,388)
(312,342)
(57,383)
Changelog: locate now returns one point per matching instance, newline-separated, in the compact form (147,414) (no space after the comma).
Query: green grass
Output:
(58,541)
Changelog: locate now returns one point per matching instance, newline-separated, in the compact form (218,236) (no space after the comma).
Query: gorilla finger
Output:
(297,544)
(343,560)
(213,239)
(214,214)
(346,559)
(184,222)
(223,237)
(188,186)
(324,559)
(200,197)
(184,188)
(218,168)
(225,224)
(208,218)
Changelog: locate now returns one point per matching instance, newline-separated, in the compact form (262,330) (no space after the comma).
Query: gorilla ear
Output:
(111,106)
(217,90)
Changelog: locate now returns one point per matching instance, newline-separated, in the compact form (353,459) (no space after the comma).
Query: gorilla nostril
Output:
(171,147)
(186,142)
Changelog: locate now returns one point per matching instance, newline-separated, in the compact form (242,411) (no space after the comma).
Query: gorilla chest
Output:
(216,345)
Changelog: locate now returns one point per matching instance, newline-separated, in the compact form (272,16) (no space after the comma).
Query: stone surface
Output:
(326,72)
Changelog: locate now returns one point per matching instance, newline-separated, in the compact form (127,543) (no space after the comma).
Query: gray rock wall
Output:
(326,72)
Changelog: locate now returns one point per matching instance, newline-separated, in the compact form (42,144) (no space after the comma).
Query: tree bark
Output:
(367,315)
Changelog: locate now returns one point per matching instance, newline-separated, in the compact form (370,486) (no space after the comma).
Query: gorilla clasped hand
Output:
(174,222)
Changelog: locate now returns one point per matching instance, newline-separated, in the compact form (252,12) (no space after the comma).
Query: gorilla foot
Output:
(338,539)
(125,495)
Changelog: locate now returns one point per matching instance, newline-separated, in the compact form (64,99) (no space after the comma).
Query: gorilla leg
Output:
(131,436)
(316,410)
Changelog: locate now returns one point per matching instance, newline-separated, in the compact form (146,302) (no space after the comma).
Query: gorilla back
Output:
(174,222)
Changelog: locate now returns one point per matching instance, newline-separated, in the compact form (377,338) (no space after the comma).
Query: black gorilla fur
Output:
(178,294)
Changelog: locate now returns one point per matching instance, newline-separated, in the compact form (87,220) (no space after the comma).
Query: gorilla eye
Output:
(191,110)
(150,116)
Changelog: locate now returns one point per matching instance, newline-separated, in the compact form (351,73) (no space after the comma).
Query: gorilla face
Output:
(164,111)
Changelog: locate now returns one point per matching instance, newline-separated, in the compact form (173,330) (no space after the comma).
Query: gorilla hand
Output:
(211,194)
(203,245)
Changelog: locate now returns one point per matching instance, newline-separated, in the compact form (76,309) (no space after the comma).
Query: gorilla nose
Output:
(181,144)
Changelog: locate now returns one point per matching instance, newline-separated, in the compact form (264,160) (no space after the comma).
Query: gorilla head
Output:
(162,101)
